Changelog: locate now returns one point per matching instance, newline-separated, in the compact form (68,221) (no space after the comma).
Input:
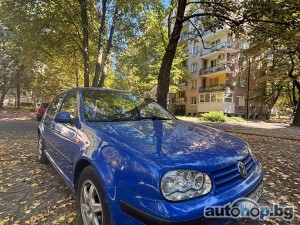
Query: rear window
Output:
(44,105)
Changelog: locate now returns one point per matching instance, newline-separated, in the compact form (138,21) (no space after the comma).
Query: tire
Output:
(41,153)
(91,199)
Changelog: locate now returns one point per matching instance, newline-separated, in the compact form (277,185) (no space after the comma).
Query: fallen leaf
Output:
(70,219)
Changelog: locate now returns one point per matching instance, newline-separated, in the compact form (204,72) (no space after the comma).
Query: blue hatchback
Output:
(129,161)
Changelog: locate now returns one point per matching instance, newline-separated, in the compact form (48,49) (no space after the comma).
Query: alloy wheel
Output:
(90,204)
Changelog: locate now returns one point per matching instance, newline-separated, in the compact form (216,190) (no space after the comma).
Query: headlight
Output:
(180,185)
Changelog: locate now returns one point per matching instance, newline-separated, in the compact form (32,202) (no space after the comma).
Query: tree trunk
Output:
(18,95)
(296,120)
(294,96)
(275,96)
(108,49)
(76,71)
(100,44)
(166,65)
(85,41)
(3,93)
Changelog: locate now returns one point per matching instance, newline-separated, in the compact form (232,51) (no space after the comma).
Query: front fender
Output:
(128,168)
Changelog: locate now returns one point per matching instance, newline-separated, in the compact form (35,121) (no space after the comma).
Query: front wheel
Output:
(93,206)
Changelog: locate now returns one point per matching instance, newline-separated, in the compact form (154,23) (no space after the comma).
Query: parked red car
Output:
(41,110)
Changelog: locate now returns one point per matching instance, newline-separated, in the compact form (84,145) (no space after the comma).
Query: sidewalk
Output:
(14,114)
(278,130)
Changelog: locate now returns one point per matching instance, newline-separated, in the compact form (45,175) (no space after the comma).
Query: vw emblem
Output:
(242,170)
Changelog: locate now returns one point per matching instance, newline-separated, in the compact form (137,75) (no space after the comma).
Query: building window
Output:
(207,97)
(214,62)
(201,98)
(214,43)
(181,94)
(214,81)
(193,100)
(219,97)
(242,82)
(194,50)
(241,100)
(244,45)
(184,36)
(194,67)
(213,97)
(194,83)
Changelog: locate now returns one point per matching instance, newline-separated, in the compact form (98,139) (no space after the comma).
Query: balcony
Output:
(218,87)
(215,50)
(221,68)
(208,35)
(179,101)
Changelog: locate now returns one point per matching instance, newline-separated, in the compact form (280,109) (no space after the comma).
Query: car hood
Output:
(176,143)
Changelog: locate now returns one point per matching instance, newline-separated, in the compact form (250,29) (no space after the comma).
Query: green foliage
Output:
(219,116)
(138,65)
(214,116)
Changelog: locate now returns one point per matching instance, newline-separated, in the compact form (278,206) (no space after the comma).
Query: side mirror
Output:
(62,117)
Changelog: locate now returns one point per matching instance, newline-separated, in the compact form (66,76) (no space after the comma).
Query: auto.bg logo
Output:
(248,208)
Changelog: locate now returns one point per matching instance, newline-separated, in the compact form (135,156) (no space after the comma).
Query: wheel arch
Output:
(80,165)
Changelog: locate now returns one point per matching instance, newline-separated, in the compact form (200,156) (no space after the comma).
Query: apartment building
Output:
(220,77)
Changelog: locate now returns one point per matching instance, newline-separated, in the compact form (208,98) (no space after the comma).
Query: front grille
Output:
(229,176)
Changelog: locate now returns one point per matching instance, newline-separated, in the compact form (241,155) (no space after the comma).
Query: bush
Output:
(214,116)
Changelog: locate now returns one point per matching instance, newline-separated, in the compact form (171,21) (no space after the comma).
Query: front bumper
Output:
(135,209)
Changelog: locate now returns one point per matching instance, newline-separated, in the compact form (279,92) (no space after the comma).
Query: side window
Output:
(55,105)
(70,104)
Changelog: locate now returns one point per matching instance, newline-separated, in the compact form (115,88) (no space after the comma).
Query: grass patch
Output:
(236,119)
(213,116)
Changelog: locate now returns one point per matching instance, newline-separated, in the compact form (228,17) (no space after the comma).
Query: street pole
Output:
(248,90)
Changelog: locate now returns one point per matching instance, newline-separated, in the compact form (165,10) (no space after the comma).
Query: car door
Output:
(65,137)
(49,123)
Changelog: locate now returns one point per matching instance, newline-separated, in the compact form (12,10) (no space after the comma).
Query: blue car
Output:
(131,162)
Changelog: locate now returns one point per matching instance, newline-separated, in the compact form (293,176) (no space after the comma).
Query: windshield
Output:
(106,106)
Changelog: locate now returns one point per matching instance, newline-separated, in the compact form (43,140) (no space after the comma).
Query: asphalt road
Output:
(18,129)
(31,193)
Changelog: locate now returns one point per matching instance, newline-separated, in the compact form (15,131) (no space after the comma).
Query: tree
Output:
(12,73)
(53,39)
(279,42)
